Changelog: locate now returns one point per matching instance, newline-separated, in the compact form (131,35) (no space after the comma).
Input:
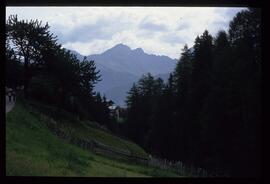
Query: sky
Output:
(157,30)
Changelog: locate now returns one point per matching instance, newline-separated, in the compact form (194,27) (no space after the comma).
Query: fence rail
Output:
(92,145)
(109,151)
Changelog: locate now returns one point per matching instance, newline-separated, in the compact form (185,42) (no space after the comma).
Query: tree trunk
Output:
(26,77)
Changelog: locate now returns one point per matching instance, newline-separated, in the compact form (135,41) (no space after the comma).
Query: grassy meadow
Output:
(32,150)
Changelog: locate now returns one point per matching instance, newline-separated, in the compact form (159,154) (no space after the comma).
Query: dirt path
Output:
(9,105)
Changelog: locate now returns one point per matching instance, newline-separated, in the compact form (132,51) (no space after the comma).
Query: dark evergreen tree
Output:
(55,75)
(245,38)
(215,126)
(28,39)
(182,73)
(133,108)
(182,80)
(209,111)
(89,76)
(14,69)
(161,140)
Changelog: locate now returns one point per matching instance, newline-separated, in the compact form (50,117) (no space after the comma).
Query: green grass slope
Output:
(88,130)
(32,150)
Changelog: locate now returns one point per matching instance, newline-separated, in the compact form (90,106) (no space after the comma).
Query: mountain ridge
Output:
(121,66)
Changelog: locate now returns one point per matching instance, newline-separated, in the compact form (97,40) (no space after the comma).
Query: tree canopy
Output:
(50,73)
(208,113)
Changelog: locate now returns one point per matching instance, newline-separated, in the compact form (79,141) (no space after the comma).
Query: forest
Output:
(208,113)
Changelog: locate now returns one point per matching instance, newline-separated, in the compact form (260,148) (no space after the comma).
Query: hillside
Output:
(32,150)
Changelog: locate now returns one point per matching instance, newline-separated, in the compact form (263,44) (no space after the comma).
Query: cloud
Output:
(153,26)
(158,30)
(102,29)
(90,32)
(173,39)
(153,23)
(183,25)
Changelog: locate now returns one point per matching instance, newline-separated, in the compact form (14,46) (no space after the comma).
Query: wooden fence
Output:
(181,168)
(93,145)
(109,151)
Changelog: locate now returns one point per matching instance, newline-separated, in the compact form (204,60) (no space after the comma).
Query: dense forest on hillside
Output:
(207,114)
(209,111)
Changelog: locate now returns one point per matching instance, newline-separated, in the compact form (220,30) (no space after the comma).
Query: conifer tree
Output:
(29,38)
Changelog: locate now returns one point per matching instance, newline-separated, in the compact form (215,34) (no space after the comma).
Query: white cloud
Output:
(158,30)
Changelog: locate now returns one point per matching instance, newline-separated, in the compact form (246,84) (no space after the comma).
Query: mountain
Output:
(118,93)
(121,66)
(79,56)
(137,62)
(111,78)
(164,76)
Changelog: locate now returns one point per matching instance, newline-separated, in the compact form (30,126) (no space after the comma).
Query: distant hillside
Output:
(121,66)
(111,78)
(118,93)
(164,76)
